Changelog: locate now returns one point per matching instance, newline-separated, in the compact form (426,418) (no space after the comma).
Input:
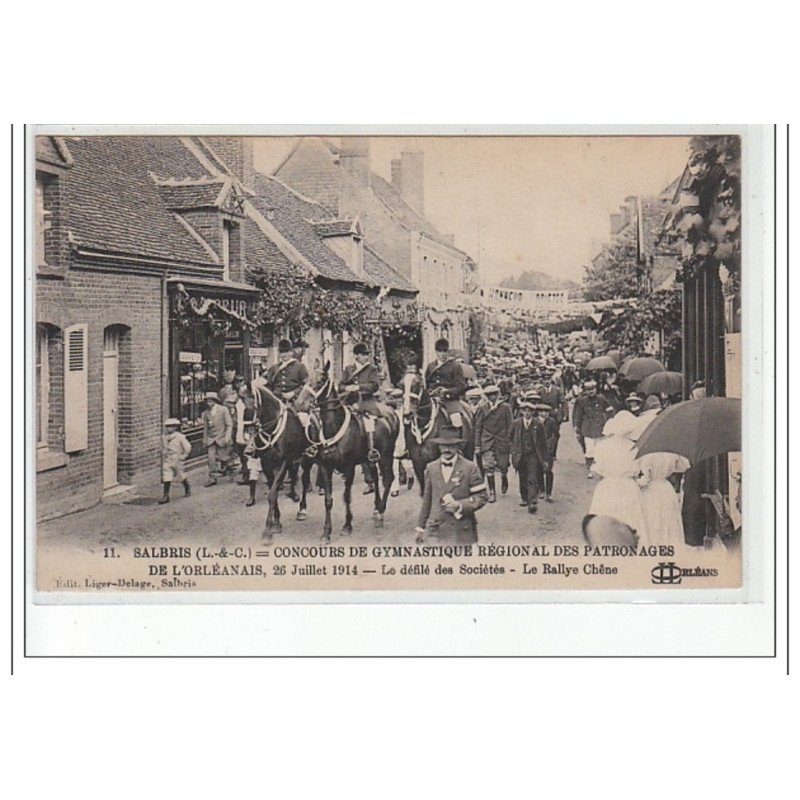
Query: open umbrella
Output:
(601,362)
(615,356)
(667,382)
(697,429)
(636,369)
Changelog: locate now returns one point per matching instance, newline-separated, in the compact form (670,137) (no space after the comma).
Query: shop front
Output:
(210,328)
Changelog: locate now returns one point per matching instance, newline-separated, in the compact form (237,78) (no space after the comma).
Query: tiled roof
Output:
(290,214)
(115,205)
(336,227)
(383,275)
(406,215)
(53,150)
(191,194)
(261,253)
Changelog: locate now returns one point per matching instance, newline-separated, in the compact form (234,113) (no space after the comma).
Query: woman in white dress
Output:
(662,505)
(618,494)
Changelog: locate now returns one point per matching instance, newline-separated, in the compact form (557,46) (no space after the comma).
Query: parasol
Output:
(636,369)
(615,356)
(602,362)
(697,429)
(662,382)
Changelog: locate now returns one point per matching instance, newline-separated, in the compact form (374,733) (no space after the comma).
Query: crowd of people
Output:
(521,393)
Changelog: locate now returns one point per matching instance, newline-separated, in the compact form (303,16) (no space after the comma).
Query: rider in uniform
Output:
(288,376)
(445,379)
(358,387)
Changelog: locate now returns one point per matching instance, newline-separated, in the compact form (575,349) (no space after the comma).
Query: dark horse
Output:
(344,444)
(423,418)
(280,442)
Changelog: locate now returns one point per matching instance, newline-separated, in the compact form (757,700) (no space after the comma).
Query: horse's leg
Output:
(305,465)
(349,477)
(327,475)
(274,513)
(387,477)
(292,474)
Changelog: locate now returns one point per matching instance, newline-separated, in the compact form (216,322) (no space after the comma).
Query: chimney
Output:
(397,175)
(237,154)
(354,158)
(412,173)
(629,209)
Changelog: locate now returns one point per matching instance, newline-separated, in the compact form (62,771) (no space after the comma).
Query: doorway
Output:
(110,407)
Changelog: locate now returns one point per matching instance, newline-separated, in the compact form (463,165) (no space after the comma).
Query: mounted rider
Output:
(444,379)
(288,376)
(358,387)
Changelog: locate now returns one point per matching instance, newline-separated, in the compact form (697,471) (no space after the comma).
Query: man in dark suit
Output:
(529,454)
(444,379)
(454,491)
(492,438)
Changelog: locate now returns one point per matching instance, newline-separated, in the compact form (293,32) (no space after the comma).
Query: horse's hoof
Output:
(326,537)
(347,529)
(377,519)
(301,515)
(275,528)
(267,535)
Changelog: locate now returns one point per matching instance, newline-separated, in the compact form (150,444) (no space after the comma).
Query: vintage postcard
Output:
(384,363)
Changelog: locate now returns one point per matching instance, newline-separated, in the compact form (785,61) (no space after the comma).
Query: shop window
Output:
(199,371)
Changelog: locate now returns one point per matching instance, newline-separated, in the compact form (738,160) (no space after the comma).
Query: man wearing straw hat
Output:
(492,439)
(217,437)
(454,491)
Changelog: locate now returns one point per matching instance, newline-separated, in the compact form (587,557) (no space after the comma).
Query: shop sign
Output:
(190,358)
(259,352)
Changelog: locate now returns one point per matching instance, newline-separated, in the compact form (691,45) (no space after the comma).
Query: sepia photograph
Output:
(387,363)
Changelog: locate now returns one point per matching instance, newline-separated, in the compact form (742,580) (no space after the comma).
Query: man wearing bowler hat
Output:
(454,491)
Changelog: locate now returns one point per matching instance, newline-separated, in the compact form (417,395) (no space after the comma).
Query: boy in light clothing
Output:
(175,449)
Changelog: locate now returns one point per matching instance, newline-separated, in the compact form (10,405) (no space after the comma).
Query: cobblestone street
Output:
(218,516)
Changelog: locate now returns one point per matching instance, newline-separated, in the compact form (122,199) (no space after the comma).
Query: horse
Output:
(280,440)
(423,418)
(344,444)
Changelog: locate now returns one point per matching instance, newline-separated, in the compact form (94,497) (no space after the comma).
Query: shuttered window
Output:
(76,401)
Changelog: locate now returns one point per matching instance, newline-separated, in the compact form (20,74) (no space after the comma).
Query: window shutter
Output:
(76,397)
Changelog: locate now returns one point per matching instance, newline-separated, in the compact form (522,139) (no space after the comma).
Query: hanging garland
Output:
(187,310)
(294,300)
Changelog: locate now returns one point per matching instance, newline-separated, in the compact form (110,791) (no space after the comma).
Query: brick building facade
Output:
(143,252)
(114,237)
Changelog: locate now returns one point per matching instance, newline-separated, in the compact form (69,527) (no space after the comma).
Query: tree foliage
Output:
(656,312)
(612,274)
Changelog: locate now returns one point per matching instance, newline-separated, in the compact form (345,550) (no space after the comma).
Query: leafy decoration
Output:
(707,219)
